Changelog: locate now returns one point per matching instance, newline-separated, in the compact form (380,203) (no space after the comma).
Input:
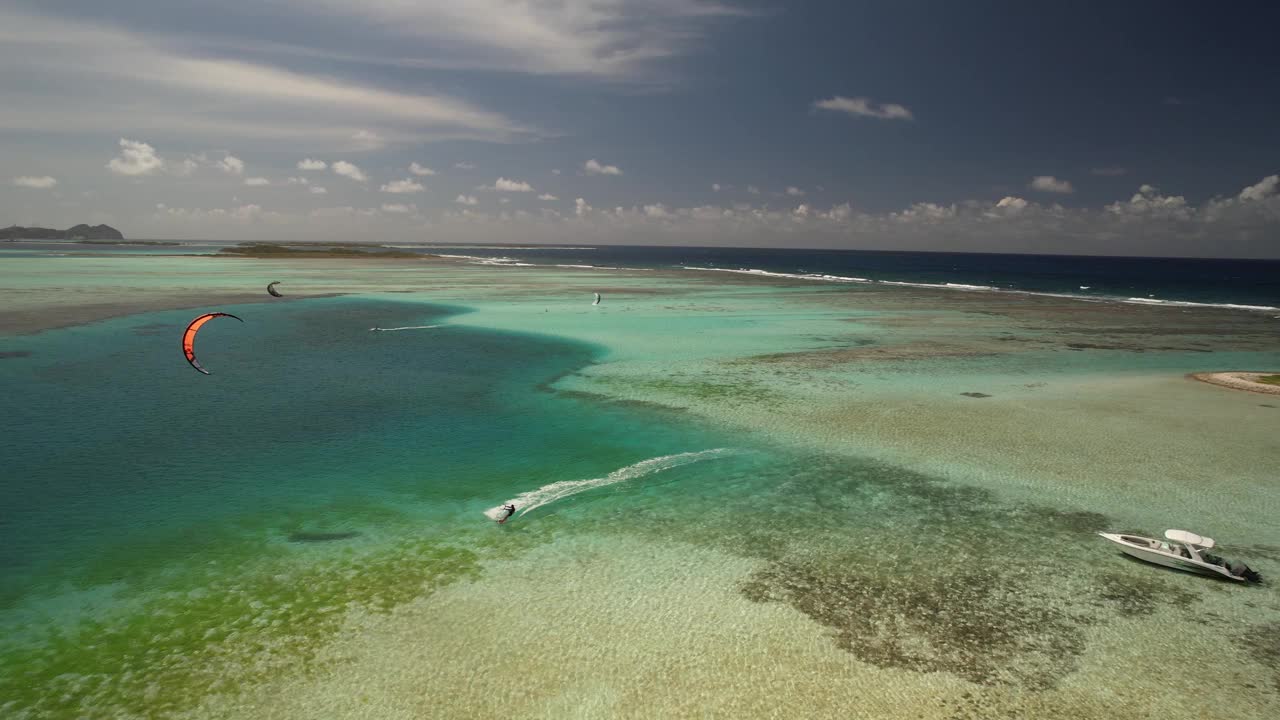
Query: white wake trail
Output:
(533,499)
(407,327)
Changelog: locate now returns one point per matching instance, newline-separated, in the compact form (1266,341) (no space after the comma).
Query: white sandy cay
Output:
(1240,380)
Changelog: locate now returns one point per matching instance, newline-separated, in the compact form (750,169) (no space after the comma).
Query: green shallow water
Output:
(301,534)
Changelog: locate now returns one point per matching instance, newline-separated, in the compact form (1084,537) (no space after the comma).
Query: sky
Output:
(1136,128)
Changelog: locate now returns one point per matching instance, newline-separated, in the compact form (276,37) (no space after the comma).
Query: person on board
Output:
(511,510)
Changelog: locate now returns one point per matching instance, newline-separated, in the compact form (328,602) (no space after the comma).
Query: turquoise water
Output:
(120,456)
(744,499)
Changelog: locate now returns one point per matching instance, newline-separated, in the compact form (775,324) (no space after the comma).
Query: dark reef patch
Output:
(975,394)
(986,629)
(7,354)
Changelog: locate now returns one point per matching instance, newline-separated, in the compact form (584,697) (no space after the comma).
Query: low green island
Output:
(307,250)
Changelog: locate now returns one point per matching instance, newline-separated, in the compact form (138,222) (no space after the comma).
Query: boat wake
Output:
(546,494)
(407,327)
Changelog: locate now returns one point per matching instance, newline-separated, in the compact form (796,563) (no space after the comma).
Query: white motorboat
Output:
(1184,551)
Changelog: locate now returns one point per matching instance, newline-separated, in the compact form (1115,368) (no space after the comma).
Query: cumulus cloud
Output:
(593,167)
(1264,188)
(464,165)
(753,189)
(310,164)
(1051,184)
(466,200)
(581,208)
(1010,205)
(42,182)
(256,181)
(420,170)
(298,181)
(408,185)
(864,107)
(231,165)
(346,169)
(398,208)
(504,185)
(656,211)
(716,187)
(317,190)
(794,191)
(184,168)
(1150,202)
(136,158)
(547,196)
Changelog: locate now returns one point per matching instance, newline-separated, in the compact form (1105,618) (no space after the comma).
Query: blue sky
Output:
(1113,128)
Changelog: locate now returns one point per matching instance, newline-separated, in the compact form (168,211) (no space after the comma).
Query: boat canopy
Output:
(1189,538)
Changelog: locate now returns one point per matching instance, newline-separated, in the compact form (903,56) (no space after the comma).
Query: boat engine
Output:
(1244,571)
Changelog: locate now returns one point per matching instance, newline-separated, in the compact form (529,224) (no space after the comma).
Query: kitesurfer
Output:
(511,510)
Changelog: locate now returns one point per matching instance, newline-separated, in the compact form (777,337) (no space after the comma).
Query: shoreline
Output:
(1238,380)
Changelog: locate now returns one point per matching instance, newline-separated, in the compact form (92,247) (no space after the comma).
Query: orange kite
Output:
(189,337)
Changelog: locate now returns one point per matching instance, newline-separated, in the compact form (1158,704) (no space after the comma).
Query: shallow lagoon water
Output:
(876,542)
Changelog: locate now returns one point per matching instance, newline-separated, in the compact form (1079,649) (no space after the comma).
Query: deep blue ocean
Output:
(1192,280)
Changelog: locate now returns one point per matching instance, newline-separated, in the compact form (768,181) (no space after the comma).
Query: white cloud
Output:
(504,185)
(256,181)
(368,140)
(1051,184)
(420,170)
(1011,205)
(839,213)
(794,191)
(464,166)
(1149,202)
(42,182)
(346,169)
(581,208)
(152,82)
(317,190)
(310,164)
(715,187)
(298,181)
(407,185)
(656,211)
(466,200)
(398,208)
(864,107)
(1264,188)
(547,196)
(753,189)
(231,165)
(136,158)
(1109,171)
(593,167)
(801,211)
(615,39)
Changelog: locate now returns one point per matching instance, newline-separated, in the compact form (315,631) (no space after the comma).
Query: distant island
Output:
(317,250)
(79,232)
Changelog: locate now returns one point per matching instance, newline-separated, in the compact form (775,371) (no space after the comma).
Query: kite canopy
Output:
(189,337)
(271,288)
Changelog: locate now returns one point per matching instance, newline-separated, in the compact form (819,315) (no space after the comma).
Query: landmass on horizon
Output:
(76,232)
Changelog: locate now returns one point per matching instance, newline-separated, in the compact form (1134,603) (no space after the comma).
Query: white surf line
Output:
(407,327)
(985,288)
(533,499)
